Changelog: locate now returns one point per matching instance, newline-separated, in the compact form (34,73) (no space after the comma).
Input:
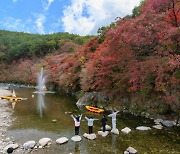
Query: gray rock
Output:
(54,120)
(14,146)
(115,131)
(143,128)
(103,134)
(157,126)
(90,136)
(131,150)
(45,141)
(62,140)
(158,121)
(29,145)
(92,98)
(126,130)
(167,123)
(76,138)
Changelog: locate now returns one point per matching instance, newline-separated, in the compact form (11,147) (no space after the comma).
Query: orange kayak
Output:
(94,109)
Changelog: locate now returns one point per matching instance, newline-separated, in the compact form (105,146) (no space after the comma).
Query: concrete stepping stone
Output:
(76,138)
(115,131)
(130,150)
(126,130)
(90,136)
(103,134)
(108,128)
(45,141)
(157,126)
(62,140)
(13,146)
(29,145)
(143,128)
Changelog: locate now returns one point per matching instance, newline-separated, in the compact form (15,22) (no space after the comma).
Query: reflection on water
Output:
(40,104)
(114,141)
(76,148)
(13,105)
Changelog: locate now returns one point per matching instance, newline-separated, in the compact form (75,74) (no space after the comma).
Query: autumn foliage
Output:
(138,56)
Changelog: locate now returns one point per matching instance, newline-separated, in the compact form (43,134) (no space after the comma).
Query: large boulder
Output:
(126,130)
(11,146)
(29,145)
(115,131)
(76,138)
(45,141)
(92,98)
(62,140)
(90,136)
(143,128)
(103,134)
(130,150)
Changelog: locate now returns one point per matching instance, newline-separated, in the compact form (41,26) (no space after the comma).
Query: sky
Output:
(82,17)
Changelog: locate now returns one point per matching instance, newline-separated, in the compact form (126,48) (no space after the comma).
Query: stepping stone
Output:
(158,126)
(76,138)
(13,146)
(108,128)
(167,123)
(90,136)
(158,121)
(126,130)
(45,141)
(103,134)
(62,140)
(130,150)
(143,128)
(29,145)
(115,131)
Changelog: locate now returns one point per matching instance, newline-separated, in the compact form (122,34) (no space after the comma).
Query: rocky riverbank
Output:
(6,120)
(131,106)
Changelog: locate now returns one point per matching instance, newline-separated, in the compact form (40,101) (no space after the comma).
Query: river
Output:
(34,120)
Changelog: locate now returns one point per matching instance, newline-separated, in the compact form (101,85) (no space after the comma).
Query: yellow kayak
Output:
(11,98)
(94,109)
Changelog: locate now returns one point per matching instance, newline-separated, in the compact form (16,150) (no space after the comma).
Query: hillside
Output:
(16,45)
(135,62)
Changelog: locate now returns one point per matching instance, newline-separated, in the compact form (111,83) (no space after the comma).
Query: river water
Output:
(34,120)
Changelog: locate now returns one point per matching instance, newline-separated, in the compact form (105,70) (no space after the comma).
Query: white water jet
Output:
(41,81)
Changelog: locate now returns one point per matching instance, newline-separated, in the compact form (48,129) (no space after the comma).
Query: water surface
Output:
(34,121)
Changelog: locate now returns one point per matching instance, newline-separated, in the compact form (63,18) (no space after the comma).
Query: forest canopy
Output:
(16,45)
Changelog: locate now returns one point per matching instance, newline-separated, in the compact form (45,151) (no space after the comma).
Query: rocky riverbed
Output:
(5,122)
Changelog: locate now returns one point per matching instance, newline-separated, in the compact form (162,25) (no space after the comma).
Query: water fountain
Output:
(41,91)
(41,83)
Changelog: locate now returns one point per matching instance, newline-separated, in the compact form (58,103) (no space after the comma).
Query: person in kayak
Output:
(104,122)
(90,124)
(77,123)
(113,116)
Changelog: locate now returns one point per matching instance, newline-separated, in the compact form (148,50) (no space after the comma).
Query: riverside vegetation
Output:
(133,64)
